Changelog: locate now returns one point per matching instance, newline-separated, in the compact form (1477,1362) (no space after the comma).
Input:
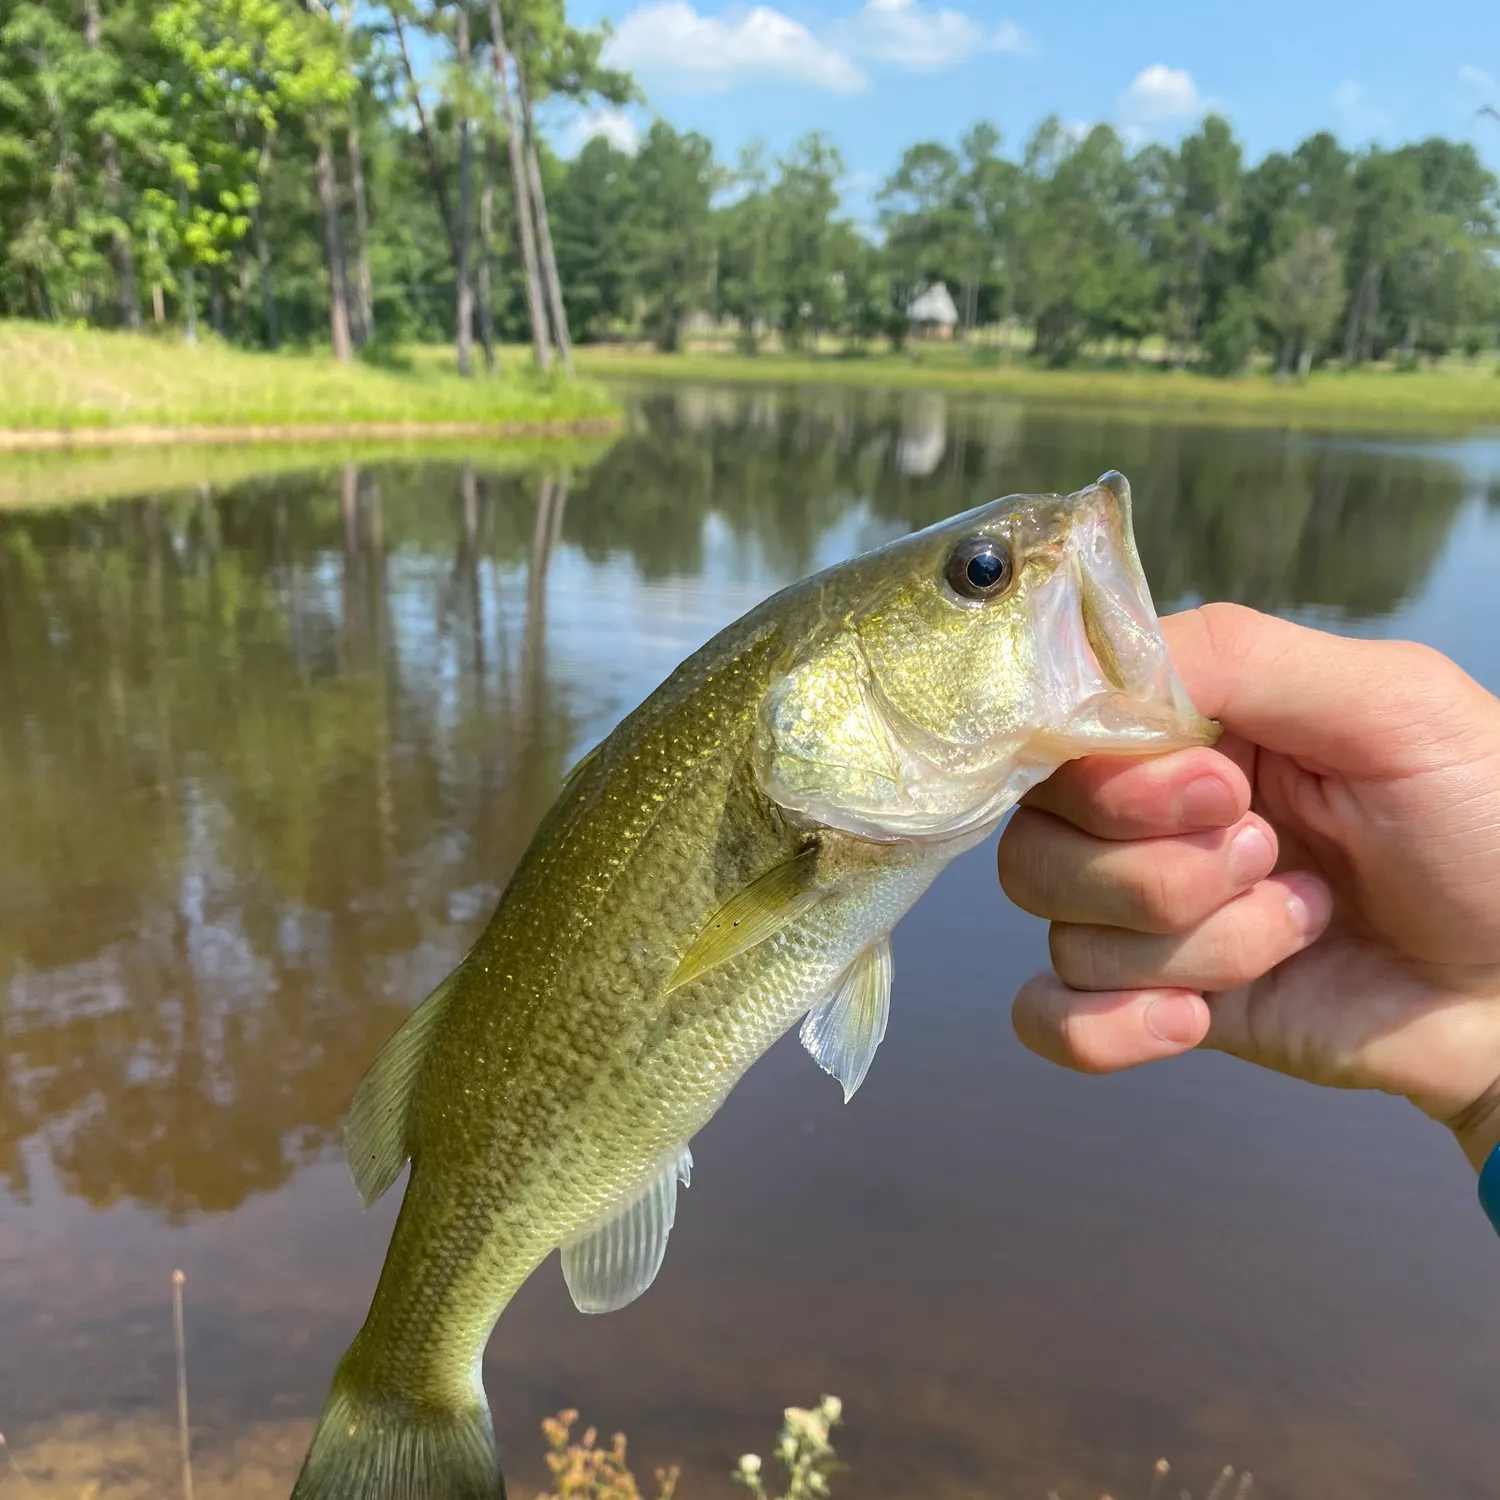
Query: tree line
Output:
(1077,240)
(288,169)
(295,171)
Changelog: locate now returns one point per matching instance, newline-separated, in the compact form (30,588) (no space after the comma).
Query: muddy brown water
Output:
(267,753)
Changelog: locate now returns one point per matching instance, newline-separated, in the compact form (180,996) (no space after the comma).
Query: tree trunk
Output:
(486,234)
(216,300)
(1351,327)
(263,256)
(130,311)
(544,228)
(1372,313)
(549,262)
(424,132)
(465,329)
(189,281)
(1304,359)
(363,308)
(1190,302)
(364,292)
(333,249)
(158,299)
(522,196)
(1360,329)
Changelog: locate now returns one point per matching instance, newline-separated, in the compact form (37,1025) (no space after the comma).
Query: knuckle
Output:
(1170,895)
(1248,943)
(1025,864)
(1076,955)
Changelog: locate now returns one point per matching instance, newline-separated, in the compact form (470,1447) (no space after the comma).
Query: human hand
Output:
(1319,894)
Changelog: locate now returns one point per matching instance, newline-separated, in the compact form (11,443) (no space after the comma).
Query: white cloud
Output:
(668,38)
(904,32)
(1161,93)
(613,124)
(1477,78)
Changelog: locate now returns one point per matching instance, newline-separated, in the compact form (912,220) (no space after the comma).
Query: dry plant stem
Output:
(1221,1485)
(184,1446)
(17,1470)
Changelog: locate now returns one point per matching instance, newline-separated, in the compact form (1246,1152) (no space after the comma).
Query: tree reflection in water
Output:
(267,755)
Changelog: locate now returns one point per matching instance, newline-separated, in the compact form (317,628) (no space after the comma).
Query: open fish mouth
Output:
(1105,682)
(1108,680)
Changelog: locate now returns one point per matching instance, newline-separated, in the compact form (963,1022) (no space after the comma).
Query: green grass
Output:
(1449,396)
(54,378)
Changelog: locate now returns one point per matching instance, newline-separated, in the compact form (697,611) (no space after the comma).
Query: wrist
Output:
(1477,1129)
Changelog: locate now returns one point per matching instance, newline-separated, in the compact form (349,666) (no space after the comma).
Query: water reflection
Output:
(258,767)
(268,753)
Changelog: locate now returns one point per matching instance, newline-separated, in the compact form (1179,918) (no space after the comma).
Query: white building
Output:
(932,312)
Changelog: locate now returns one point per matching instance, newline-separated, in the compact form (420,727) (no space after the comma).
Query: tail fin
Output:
(375,1446)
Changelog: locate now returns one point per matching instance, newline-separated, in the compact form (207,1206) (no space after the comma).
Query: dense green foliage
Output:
(1079,242)
(293,172)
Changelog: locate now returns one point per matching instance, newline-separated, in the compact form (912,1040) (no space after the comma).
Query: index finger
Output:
(1146,797)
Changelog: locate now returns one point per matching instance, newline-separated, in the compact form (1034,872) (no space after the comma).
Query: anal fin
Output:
(843,1031)
(609,1266)
(377,1136)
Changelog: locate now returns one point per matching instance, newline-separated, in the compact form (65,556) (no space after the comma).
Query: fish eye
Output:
(980,568)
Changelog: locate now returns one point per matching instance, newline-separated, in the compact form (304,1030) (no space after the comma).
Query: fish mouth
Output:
(1110,686)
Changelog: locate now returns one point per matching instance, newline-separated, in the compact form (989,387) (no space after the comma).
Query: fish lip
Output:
(1115,680)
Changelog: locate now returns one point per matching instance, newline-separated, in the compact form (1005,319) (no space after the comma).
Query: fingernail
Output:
(1206,803)
(1174,1019)
(1309,903)
(1250,855)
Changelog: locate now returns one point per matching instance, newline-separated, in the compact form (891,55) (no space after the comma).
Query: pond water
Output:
(268,752)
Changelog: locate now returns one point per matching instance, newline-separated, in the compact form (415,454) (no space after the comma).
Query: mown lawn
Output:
(54,379)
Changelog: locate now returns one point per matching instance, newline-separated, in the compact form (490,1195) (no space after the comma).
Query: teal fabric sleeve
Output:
(1489,1188)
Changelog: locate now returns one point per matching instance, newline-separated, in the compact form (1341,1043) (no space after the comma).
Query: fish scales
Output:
(729,861)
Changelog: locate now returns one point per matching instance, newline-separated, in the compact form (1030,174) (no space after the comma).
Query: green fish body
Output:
(729,862)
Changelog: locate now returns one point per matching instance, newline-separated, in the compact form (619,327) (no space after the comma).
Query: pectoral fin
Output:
(843,1031)
(611,1265)
(759,911)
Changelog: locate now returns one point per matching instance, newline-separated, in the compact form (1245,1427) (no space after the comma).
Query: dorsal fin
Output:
(580,763)
(377,1137)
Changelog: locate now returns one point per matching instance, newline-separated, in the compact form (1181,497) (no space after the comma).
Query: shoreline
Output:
(44,439)
(1332,402)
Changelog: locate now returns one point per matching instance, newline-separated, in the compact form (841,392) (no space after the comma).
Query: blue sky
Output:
(878,74)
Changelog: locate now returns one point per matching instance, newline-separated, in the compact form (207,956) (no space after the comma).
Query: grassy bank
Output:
(1454,396)
(139,388)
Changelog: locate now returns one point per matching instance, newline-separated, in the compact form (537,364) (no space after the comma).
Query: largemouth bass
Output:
(727,864)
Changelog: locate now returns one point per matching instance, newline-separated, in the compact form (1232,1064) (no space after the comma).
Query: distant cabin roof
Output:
(933,305)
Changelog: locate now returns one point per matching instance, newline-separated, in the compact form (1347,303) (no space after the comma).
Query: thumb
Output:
(1358,707)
